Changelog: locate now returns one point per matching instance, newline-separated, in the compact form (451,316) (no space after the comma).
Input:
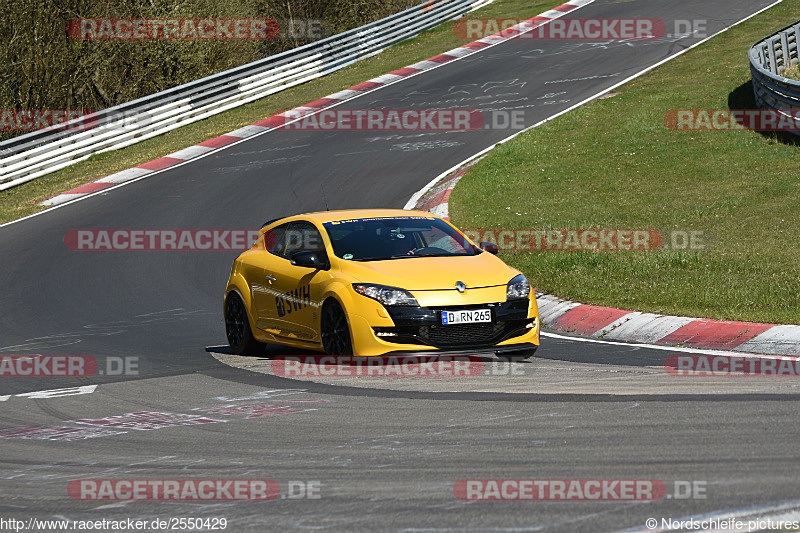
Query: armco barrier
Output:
(768,59)
(38,153)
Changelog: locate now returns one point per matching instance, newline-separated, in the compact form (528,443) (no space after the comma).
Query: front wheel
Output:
(335,331)
(237,327)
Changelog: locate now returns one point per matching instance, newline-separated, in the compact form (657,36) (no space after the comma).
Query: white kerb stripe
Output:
(344,95)
(387,78)
(186,153)
(424,65)
(127,174)
(60,199)
(778,340)
(440,210)
(552,13)
(247,131)
(461,52)
(648,328)
(553,311)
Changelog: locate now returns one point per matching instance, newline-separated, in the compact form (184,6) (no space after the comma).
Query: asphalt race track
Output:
(377,453)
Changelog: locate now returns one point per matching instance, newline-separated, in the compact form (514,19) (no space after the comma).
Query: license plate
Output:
(472,316)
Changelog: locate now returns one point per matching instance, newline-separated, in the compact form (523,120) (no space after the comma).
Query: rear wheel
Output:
(237,327)
(335,331)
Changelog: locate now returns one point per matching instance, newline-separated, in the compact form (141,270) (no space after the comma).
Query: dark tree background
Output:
(42,67)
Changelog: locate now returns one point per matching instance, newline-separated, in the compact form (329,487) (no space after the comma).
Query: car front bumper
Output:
(514,327)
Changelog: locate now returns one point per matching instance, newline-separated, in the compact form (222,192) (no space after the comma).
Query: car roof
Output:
(330,216)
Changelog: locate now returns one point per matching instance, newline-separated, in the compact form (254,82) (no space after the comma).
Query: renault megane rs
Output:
(374,282)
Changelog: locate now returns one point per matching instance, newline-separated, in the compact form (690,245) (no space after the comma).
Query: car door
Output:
(294,310)
(262,285)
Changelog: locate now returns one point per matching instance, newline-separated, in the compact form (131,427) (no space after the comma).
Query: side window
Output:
(275,240)
(304,237)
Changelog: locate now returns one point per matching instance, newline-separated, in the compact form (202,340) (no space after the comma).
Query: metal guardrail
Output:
(769,57)
(35,154)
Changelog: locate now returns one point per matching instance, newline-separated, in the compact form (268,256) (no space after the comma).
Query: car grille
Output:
(461,334)
(454,335)
(423,325)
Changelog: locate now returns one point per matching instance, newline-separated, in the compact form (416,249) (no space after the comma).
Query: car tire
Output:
(516,356)
(334,330)
(237,327)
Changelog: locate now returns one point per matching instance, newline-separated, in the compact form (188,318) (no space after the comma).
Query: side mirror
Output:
(489,247)
(309,260)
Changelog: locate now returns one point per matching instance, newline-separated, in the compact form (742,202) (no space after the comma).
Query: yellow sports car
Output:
(374,282)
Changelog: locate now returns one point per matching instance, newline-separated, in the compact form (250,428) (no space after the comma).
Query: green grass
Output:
(21,201)
(792,72)
(614,164)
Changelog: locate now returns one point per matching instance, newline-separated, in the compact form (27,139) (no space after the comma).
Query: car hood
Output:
(434,273)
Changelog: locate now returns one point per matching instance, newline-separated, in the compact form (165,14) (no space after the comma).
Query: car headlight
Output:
(518,288)
(385,295)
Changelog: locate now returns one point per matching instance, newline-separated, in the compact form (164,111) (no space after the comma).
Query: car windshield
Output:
(378,239)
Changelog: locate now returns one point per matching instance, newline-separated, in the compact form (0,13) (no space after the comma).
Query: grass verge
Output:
(22,200)
(792,72)
(614,164)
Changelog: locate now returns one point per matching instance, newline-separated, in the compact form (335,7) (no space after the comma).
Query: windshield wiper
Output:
(428,255)
(407,256)
(385,258)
